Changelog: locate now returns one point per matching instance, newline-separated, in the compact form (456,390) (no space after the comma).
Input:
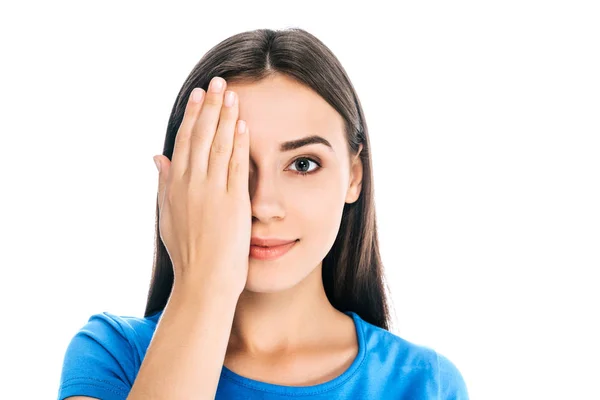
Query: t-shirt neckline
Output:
(306,390)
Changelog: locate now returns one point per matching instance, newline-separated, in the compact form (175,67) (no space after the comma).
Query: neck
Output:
(278,323)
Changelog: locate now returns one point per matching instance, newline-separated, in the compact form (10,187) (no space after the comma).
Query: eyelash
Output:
(309,159)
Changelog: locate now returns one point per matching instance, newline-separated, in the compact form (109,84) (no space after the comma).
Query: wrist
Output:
(204,292)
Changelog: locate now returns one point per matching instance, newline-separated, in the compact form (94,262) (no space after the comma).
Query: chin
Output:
(268,278)
(275,276)
(281,274)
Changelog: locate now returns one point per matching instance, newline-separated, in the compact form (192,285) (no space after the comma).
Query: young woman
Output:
(267,281)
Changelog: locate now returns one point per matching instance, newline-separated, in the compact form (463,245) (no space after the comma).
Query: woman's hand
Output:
(204,205)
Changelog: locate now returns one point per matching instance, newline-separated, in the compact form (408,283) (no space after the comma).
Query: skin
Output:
(285,330)
(281,329)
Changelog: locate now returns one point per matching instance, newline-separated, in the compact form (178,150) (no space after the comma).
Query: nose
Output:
(265,198)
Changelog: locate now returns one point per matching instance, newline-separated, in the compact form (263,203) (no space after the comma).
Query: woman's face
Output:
(286,204)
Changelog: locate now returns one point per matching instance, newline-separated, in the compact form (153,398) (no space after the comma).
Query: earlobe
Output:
(353,194)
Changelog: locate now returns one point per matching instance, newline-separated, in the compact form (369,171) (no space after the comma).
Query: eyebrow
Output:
(295,144)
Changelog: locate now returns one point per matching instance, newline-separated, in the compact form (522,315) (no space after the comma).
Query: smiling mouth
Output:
(270,252)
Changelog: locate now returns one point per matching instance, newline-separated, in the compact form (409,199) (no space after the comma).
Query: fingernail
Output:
(197,94)
(157,164)
(229,98)
(216,84)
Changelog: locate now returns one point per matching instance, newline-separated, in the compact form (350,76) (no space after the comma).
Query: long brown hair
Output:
(352,270)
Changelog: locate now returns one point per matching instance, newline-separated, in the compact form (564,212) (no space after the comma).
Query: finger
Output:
(222,145)
(181,149)
(240,160)
(205,127)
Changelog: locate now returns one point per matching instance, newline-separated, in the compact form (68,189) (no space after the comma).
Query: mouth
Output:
(270,253)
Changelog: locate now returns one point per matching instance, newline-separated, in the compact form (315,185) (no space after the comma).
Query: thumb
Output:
(161,178)
(157,162)
(162,164)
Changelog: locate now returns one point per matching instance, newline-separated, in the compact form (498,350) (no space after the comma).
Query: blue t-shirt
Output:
(104,357)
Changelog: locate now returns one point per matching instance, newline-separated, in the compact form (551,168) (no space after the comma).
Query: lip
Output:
(272,252)
(269,242)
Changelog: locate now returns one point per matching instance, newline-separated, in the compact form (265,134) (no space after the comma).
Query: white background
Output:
(484,119)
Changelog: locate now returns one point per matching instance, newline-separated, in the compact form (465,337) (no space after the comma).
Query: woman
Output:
(267,280)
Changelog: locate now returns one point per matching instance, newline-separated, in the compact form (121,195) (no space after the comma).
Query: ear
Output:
(356,175)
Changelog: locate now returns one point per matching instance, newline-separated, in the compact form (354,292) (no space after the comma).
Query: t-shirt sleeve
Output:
(98,361)
(451,383)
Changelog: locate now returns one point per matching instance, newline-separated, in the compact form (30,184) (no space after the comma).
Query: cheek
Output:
(317,194)
(317,203)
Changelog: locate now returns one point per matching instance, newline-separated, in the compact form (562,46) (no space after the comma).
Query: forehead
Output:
(279,109)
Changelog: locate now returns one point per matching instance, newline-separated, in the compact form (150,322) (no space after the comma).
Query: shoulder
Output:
(104,356)
(135,330)
(451,382)
(126,333)
(415,365)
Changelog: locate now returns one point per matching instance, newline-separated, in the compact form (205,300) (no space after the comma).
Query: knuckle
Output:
(228,113)
(219,148)
(230,117)
(235,166)
(213,100)
(241,143)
